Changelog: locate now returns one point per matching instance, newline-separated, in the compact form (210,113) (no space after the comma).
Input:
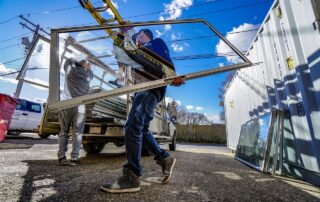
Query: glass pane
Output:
(289,144)
(273,142)
(180,49)
(37,72)
(253,140)
(276,133)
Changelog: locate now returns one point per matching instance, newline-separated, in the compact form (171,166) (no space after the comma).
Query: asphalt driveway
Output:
(29,172)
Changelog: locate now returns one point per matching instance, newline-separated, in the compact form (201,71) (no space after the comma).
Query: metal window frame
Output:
(22,73)
(54,102)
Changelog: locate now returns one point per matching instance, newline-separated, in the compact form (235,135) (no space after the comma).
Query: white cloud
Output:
(167,27)
(4,69)
(174,9)
(169,99)
(97,46)
(158,33)
(39,59)
(190,107)
(213,118)
(176,47)
(199,108)
(175,36)
(241,40)
(8,78)
(115,5)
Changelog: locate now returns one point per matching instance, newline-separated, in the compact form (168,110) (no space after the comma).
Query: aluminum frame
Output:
(22,73)
(54,102)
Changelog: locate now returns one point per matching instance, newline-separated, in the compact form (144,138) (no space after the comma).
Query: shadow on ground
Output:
(197,177)
(25,141)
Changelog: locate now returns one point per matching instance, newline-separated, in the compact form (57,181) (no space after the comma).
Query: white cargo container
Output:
(288,77)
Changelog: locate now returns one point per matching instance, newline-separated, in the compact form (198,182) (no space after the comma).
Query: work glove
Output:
(178,81)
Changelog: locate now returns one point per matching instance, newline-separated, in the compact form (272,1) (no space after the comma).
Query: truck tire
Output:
(15,133)
(173,144)
(93,147)
(44,135)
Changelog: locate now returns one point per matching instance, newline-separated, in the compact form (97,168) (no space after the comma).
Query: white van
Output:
(26,117)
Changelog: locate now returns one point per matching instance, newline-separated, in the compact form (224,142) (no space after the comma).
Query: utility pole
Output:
(25,41)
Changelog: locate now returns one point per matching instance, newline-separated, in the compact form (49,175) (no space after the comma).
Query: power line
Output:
(75,7)
(209,36)
(10,73)
(57,10)
(15,37)
(8,20)
(140,15)
(15,72)
(228,9)
(7,47)
(158,12)
(43,12)
(52,11)
(10,61)
(145,14)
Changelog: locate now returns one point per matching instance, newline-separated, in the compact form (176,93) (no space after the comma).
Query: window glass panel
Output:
(253,141)
(185,48)
(34,107)
(22,105)
(37,72)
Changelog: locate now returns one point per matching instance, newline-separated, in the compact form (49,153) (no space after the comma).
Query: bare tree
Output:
(222,91)
(172,108)
(184,117)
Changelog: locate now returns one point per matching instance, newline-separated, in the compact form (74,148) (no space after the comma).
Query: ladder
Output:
(96,14)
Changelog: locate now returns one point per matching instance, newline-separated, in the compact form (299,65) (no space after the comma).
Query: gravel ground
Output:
(29,172)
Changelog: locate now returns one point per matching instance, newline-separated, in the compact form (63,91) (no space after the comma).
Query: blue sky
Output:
(198,95)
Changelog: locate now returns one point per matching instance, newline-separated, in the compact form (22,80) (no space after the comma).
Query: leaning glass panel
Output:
(253,141)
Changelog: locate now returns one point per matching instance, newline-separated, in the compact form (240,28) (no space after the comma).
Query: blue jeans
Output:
(137,131)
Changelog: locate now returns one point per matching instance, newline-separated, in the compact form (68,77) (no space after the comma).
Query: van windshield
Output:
(22,105)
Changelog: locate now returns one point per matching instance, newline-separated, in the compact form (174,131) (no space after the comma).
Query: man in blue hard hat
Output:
(137,125)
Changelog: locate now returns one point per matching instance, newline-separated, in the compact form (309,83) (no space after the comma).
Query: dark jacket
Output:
(159,47)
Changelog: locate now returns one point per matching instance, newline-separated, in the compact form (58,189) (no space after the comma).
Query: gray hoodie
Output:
(78,79)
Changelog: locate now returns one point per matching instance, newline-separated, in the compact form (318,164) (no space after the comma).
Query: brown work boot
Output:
(167,166)
(128,182)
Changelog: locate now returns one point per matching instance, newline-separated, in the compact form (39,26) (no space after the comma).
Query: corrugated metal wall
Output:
(288,77)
